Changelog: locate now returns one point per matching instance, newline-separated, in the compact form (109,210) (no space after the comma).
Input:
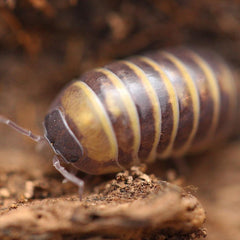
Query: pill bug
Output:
(159,105)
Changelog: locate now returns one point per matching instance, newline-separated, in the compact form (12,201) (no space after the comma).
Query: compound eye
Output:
(61,138)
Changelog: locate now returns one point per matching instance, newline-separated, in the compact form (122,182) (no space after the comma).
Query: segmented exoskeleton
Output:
(161,104)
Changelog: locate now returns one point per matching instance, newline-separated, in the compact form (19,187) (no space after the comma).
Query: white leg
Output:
(69,176)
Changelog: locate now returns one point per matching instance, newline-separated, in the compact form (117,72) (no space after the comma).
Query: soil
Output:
(44,45)
(133,205)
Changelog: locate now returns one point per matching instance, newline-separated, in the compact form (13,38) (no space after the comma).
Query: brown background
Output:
(45,44)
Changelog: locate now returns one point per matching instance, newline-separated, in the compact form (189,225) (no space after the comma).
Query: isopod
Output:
(159,105)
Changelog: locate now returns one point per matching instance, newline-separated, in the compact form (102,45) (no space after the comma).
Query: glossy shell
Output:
(159,105)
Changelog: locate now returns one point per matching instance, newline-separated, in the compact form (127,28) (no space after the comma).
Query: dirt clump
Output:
(133,205)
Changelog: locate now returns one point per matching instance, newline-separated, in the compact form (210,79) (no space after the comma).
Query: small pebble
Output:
(4,193)
(29,189)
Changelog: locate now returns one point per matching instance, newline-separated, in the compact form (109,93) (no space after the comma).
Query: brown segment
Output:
(206,101)
(106,92)
(140,97)
(164,100)
(227,94)
(185,102)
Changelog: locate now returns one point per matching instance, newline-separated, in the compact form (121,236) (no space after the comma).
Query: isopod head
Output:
(79,131)
(61,138)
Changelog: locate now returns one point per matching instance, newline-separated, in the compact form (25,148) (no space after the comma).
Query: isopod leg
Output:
(73,171)
(21,130)
(69,176)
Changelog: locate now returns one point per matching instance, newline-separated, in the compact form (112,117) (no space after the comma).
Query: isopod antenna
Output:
(28,133)
(56,161)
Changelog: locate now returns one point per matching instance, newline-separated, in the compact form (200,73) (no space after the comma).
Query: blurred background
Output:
(45,44)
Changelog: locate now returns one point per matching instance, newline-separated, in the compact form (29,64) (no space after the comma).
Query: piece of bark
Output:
(132,206)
